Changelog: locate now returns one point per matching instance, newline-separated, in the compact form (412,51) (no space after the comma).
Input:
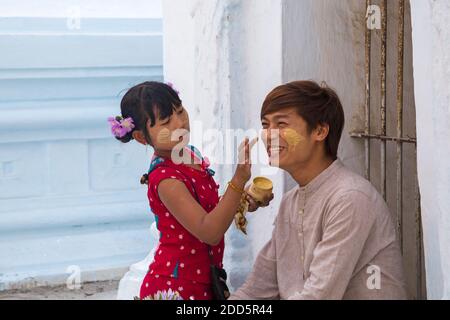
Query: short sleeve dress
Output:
(181,262)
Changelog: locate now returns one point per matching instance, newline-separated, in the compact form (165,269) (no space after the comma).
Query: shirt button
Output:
(301,211)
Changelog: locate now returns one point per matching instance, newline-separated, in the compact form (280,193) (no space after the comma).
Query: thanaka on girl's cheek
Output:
(164,136)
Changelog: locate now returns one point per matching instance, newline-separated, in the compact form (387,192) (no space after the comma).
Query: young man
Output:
(334,237)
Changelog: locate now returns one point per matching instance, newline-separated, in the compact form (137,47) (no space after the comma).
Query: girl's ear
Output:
(139,137)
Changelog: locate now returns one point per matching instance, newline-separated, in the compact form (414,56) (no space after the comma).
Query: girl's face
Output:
(172,132)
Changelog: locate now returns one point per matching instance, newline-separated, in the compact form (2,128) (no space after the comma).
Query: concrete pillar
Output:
(324,41)
(224,56)
(431,51)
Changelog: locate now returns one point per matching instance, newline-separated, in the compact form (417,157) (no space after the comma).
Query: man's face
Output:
(287,140)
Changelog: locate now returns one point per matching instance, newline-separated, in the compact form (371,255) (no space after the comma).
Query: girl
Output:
(183,196)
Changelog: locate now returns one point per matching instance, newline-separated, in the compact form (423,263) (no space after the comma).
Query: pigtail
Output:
(126,138)
(144,178)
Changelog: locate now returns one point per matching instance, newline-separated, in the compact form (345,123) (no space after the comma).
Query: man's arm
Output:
(335,257)
(262,283)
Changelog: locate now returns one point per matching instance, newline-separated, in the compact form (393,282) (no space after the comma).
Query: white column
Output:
(431,51)
(324,41)
(224,56)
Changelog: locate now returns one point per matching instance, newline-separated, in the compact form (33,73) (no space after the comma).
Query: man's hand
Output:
(253,205)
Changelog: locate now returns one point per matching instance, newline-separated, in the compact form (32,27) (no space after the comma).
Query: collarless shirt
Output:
(332,239)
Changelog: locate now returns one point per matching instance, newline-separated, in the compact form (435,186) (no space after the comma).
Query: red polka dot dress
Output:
(181,262)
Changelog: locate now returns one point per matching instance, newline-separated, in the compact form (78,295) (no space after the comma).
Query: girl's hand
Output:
(243,171)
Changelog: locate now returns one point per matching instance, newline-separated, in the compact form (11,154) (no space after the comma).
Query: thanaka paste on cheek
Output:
(292,138)
(164,136)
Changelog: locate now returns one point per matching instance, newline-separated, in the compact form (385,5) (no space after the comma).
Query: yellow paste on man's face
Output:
(164,136)
(292,137)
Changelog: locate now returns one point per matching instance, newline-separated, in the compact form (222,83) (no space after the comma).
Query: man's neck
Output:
(304,173)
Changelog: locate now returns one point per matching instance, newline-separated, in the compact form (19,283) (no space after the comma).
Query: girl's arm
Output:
(211,227)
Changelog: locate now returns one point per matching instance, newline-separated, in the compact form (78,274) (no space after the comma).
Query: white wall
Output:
(324,41)
(224,56)
(431,50)
(69,192)
(88,8)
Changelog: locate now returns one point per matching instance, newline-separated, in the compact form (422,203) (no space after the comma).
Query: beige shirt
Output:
(333,239)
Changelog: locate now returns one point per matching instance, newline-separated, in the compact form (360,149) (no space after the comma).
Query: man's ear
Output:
(139,137)
(322,131)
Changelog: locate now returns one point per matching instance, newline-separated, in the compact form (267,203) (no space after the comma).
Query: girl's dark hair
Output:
(141,101)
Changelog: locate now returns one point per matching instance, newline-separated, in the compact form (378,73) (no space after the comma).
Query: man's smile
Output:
(275,150)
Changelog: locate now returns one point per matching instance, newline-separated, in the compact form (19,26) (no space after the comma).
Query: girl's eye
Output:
(181,111)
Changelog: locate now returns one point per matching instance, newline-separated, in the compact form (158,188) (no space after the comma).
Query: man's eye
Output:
(282,124)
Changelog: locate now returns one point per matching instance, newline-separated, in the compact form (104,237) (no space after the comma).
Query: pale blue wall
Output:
(70,193)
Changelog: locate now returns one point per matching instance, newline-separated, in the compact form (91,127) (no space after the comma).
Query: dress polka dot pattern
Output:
(182,261)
